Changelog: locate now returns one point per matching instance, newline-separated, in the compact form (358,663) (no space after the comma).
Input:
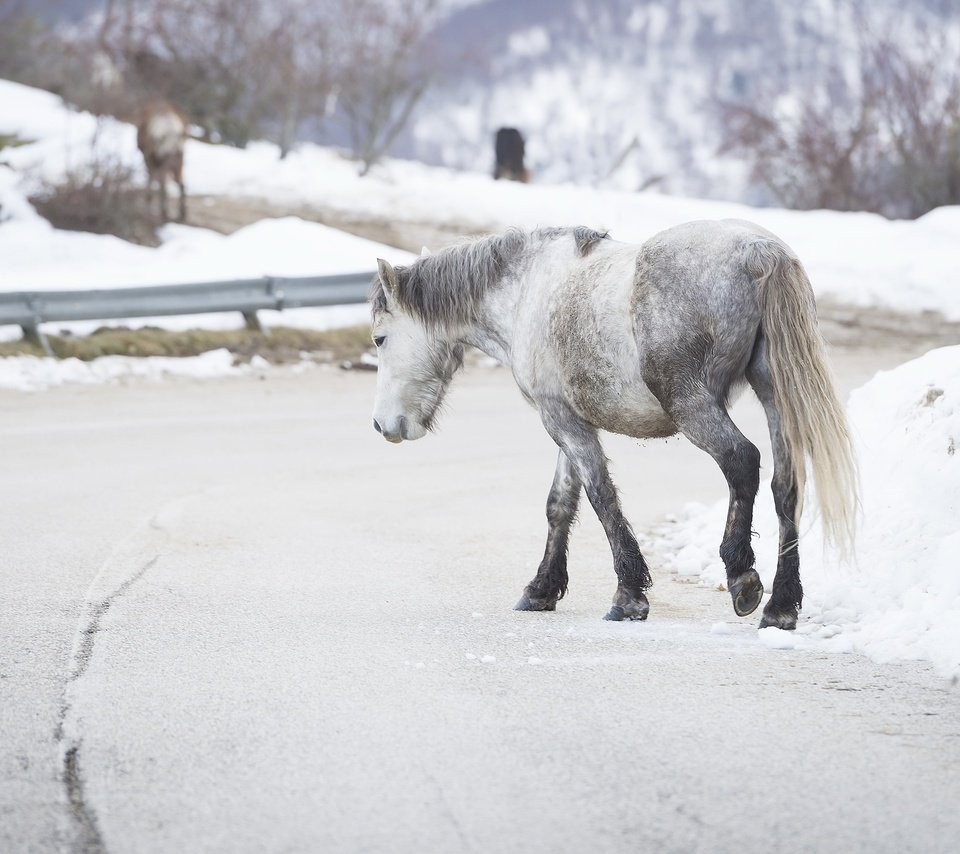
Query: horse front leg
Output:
(178,177)
(581,445)
(164,208)
(183,202)
(550,583)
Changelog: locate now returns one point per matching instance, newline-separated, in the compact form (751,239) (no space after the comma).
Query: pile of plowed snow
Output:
(901,598)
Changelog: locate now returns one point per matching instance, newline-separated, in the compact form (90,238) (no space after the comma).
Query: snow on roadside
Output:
(29,373)
(902,598)
(37,256)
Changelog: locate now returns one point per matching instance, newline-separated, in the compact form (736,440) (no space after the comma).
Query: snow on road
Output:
(304,641)
(29,373)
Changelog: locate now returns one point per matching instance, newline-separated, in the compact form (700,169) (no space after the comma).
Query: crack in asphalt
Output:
(87,838)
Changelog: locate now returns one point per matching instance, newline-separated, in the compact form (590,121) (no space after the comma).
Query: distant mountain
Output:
(62,10)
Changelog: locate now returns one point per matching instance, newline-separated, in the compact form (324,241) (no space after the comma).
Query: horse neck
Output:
(492,330)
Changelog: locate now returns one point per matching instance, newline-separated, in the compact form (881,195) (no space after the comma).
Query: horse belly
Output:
(600,376)
(620,406)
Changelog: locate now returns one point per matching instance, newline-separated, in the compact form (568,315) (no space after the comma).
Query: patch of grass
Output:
(282,344)
(11,140)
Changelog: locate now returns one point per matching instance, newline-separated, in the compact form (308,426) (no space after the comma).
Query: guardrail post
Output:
(33,334)
(251,321)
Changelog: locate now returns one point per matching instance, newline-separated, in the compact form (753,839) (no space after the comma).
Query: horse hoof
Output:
(746,592)
(786,620)
(635,610)
(528,604)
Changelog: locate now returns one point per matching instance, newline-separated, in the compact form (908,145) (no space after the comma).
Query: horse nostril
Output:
(376,426)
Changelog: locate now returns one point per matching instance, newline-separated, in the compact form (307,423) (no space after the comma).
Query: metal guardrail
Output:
(28,309)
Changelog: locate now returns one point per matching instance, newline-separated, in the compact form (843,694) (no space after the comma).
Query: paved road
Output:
(233,619)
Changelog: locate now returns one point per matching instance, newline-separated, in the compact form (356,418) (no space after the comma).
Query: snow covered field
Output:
(856,258)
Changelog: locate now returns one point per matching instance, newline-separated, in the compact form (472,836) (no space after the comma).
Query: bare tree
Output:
(245,69)
(21,36)
(886,139)
(920,116)
(385,63)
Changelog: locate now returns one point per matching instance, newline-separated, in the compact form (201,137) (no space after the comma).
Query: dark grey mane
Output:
(446,288)
(585,238)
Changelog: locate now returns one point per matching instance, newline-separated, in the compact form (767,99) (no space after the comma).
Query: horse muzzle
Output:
(399,429)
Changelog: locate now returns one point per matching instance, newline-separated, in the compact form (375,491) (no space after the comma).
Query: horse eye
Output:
(379,340)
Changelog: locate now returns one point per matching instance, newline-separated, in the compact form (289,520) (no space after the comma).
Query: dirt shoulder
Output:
(227,214)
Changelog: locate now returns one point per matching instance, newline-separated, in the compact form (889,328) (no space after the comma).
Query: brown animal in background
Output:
(161,134)
(509,148)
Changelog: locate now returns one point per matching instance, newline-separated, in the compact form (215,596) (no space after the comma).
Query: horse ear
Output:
(388,277)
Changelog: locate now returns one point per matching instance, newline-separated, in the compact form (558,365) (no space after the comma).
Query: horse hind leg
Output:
(164,206)
(787,595)
(704,420)
(550,583)
(178,177)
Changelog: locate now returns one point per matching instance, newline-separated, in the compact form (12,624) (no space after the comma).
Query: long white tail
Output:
(812,422)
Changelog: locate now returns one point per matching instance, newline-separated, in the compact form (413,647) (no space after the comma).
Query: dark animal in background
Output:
(161,134)
(509,148)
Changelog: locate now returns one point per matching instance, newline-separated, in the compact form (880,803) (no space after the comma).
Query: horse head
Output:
(415,360)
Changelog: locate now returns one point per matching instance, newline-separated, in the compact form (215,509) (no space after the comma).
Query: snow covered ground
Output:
(856,258)
(30,373)
(901,599)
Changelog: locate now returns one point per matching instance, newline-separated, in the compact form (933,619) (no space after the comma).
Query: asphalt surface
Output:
(234,619)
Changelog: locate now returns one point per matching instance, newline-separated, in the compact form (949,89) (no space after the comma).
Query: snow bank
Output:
(28,373)
(902,599)
(855,258)
(37,256)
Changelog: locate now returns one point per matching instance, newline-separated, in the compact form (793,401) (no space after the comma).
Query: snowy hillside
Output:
(624,93)
(860,259)
(901,599)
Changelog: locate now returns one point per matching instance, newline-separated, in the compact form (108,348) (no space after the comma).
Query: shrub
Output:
(104,197)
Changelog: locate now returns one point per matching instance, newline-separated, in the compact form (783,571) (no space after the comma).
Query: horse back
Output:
(632,326)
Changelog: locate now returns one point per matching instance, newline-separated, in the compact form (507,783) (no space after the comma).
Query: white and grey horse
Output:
(644,340)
